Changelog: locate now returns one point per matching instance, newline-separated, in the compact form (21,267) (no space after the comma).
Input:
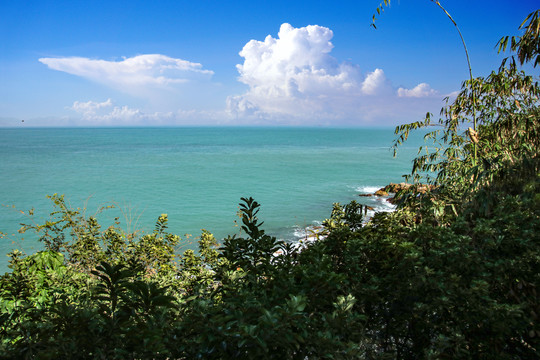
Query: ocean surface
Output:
(195,175)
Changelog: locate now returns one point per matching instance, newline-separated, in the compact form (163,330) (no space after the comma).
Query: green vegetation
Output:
(452,274)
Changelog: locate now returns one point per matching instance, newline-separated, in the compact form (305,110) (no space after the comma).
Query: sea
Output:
(196,175)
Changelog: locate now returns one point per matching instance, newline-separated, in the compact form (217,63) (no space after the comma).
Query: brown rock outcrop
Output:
(394,188)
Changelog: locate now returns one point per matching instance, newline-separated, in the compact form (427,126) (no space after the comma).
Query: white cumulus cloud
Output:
(420,90)
(374,82)
(295,76)
(132,74)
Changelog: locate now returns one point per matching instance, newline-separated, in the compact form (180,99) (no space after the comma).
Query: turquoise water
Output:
(195,175)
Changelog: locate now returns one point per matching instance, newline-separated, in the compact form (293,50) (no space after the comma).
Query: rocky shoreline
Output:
(392,189)
(384,194)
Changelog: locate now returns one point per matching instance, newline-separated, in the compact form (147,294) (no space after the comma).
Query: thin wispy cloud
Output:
(132,75)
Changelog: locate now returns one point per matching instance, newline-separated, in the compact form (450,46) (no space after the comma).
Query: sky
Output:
(270,63)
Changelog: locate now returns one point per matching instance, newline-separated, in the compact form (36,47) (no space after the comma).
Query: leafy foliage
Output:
(526,46)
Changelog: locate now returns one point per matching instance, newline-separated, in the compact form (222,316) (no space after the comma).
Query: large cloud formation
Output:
(291,79)
(295,76)
(132,75)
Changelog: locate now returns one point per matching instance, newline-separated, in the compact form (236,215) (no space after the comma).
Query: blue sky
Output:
(313,63)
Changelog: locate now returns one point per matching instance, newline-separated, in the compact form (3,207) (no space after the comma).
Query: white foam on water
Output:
(309,233)
(383,205)
(305,235)
(368,189)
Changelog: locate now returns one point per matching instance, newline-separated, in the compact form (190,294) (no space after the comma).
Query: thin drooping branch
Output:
(386,3)
(469,65)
